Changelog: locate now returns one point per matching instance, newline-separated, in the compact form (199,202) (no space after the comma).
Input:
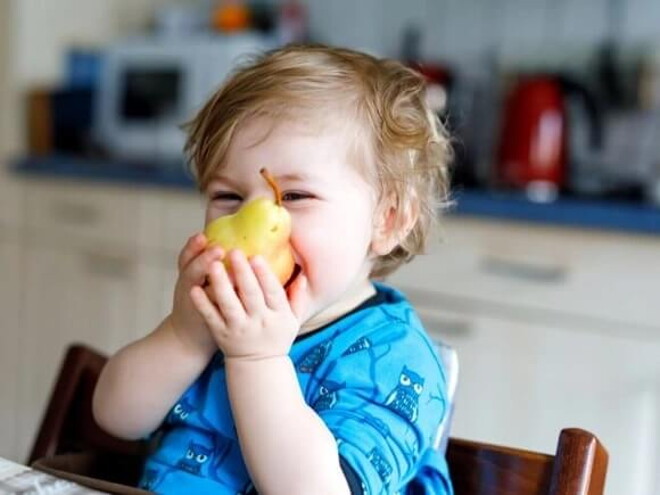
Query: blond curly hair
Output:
(402,146)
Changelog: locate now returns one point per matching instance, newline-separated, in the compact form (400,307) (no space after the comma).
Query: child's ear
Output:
(392,226)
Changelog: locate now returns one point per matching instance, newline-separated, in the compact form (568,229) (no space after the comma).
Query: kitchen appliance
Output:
(628,165)
(59,120)
(150,86)
(541,115)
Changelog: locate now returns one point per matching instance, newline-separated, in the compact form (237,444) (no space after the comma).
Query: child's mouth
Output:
(296,271)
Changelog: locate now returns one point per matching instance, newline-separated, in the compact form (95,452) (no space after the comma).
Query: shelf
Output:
(573,212)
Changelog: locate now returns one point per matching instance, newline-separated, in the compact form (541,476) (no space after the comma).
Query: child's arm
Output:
(142,381)
(287,448)
(285,444)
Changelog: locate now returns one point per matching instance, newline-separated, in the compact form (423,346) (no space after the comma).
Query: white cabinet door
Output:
(578,276)
(521,382)
(157,277)
(10,285)
(70,295)
(11,201)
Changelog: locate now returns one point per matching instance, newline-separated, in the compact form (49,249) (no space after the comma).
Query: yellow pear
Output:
(262,227)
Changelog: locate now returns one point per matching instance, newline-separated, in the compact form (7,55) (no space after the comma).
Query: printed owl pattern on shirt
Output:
(196,456)
(328,395)
(404,399)
(373,377)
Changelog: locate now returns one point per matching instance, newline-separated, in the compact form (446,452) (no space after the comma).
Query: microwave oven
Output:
(150,86)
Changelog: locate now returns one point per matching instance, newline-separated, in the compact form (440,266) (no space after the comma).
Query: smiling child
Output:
(330,385)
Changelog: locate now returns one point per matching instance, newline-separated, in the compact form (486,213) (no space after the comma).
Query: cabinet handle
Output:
(434,318)
(448,327)
(103,265)
(547,274)
(75,213)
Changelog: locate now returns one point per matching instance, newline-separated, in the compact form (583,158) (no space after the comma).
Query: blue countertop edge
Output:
(172,175)
(570,212)
(573,212)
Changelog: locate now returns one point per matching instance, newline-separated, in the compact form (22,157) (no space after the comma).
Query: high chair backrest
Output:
(68,424)
(578,467)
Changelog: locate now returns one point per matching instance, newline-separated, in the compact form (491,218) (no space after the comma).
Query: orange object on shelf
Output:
(230,16)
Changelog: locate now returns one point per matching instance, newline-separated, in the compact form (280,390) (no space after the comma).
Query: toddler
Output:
(328,385)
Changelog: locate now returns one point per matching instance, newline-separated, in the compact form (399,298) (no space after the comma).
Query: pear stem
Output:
(271,182)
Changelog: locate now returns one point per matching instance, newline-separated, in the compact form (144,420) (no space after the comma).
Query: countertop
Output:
(572,212)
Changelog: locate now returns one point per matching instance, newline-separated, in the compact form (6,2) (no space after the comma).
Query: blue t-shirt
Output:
(374,378)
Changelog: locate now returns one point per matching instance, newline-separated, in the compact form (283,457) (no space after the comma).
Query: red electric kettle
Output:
(533,148)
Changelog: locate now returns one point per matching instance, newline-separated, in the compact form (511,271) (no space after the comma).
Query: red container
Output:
(533,138)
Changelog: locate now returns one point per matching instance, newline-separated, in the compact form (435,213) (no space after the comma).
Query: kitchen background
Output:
(547,279)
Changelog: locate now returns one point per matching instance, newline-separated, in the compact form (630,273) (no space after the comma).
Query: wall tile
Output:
(642,21)
(347,23)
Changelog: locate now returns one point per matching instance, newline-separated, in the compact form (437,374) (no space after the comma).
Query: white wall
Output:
(44,30)
(456,29)
(5,116)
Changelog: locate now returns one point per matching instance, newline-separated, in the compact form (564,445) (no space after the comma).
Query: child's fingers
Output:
(205,307)
(228,302)
(195,245)
(247,285)
(273,293)
(195,272)
(209,292)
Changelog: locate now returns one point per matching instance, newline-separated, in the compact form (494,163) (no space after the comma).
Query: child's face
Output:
(330,202)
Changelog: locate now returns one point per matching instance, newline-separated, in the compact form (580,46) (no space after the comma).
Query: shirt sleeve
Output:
(383,401)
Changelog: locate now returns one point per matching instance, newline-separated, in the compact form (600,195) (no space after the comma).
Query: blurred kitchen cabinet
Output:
(71,295)
(155,292)
(11,202)
(99,265)
(521,381)
(578,277)
(73,214)
(10,304)
(82,251)
(553,328)
(181,215)
(10,307)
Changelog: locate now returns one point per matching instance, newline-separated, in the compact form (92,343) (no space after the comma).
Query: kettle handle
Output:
(594,110)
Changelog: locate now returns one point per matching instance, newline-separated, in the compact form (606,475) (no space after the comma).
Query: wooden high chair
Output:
(68,424)
(71,445)
(577,468)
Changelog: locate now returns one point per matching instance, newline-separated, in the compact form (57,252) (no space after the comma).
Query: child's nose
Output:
(259,193)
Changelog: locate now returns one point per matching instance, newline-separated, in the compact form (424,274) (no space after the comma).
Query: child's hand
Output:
(255,320)
(194,263)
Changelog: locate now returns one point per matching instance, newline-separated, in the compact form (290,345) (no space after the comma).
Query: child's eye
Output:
(295,196)
(225,196)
